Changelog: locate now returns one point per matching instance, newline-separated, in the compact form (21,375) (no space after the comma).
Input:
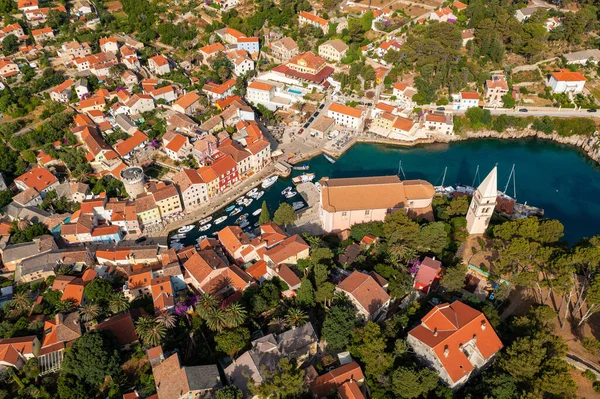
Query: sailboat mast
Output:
(400,169)
(475,177)
(514,184)
(512,171)
(444,178)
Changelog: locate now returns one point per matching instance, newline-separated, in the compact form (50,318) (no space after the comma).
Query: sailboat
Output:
(442,189)
(511,176)
(469,190)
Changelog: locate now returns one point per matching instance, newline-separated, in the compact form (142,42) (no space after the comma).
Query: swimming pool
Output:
(294,91)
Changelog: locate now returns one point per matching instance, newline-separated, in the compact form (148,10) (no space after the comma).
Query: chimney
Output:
(483,325)
(59,318)
(446,351)
(435,332)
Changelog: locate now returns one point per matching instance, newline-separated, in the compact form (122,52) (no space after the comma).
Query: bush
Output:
(597,386)
(589,374)
(591,344)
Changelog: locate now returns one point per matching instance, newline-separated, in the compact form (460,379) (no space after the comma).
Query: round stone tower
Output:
(133,180)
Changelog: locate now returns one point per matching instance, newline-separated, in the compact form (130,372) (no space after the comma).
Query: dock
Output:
(308,218)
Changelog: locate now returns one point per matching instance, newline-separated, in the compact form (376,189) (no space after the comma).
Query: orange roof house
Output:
(324,384)
(564,75)
(162,293)
(459,337)
(74,291)
(39,178)
(14,352)
(368,296)
(345,110)
(208,272)
(64,328)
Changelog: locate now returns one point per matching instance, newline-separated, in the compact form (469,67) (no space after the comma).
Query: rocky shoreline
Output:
(589,145)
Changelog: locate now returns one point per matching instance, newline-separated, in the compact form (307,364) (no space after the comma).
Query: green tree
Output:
(287,382)
(265,215)
(92,357)
(433,238)
(454,278)
(230,392)
(99,290)
(118,303)
(368,344)
(233,341)
(508,100)
(89,311)
(10,44)
(305,297)
(409,383)
(5,198)
(284,215)
(295,317)
(71,387)
(339,321)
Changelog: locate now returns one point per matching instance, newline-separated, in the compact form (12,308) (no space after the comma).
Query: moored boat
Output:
(269,181)
(186,229)
(236,211)
(230,208)
(241,219)
(302,167)
(205,220)
(298,205)
(286,190)
(201,238)
(258,195)
(257,212)
(252,192)
(220,219)
(247,201)
(205,227)
(330,159)
(290,194)
(178,236)
(304,178)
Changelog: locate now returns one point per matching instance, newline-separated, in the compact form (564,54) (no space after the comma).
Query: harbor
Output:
(568,195)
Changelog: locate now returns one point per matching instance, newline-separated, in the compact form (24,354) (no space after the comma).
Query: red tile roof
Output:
(121,326)
(324,384)
(38,178)
(365,290)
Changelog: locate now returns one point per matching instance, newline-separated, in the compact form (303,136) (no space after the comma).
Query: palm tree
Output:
(295,317)
(20,301)
(66,306)
(150,331)
(89,311)
(216,319)
(235,315)
(167,319)
(277,323)
(118,303)
(205,304)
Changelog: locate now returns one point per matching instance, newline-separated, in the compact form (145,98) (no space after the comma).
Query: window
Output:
(367,212)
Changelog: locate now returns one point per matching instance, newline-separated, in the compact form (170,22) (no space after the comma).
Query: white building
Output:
(439,124)
(465,100)
(483,204)
(345,116)
(333,50)
(566,81)
(583,57)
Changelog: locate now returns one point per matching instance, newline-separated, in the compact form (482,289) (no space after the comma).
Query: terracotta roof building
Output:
(349,201)
(456,340)
(325,384)
(369,298)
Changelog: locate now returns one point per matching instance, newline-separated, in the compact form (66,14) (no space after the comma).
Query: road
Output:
(542,111)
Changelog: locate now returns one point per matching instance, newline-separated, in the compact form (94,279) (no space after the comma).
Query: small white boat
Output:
(205,220)
(221,219)
(290,194)
(178,236)
(236,211)
(286,190)
(258,195)
(201,238)
(205,227)
(303,167)
(247,201)
(186,229)
(304,178)
(298,205)
(330,159)
(256,224)
(269,181)
(244,224)
(252,192)
(257,212)
(240,200)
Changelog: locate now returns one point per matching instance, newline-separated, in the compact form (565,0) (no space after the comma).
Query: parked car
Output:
(592,110)
(306,125)
(140,240)
(321,106)
(441,108)
(317,113)
(300,131)
(523,110)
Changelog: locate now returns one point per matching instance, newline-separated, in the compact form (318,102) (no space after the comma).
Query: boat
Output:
(256,224)
(186,229)
(241,219)
(247,201)
(303,167)
(257,212)
(230,208)
(318,186)
(298,205)
(178,236)
(269,181)
(220,219)
(330,159)
(205,227)
(244,224)
(286,190)
(240,200)
(248,228)
(201,238)
(236,211)
(258,195)
(214,233)
(304,178)
(290,194)
(205,220)
(177,246)
(251,192)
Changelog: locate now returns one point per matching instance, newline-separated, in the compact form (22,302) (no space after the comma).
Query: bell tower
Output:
(483,204)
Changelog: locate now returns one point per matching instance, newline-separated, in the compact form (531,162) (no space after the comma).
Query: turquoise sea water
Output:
(560,179)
